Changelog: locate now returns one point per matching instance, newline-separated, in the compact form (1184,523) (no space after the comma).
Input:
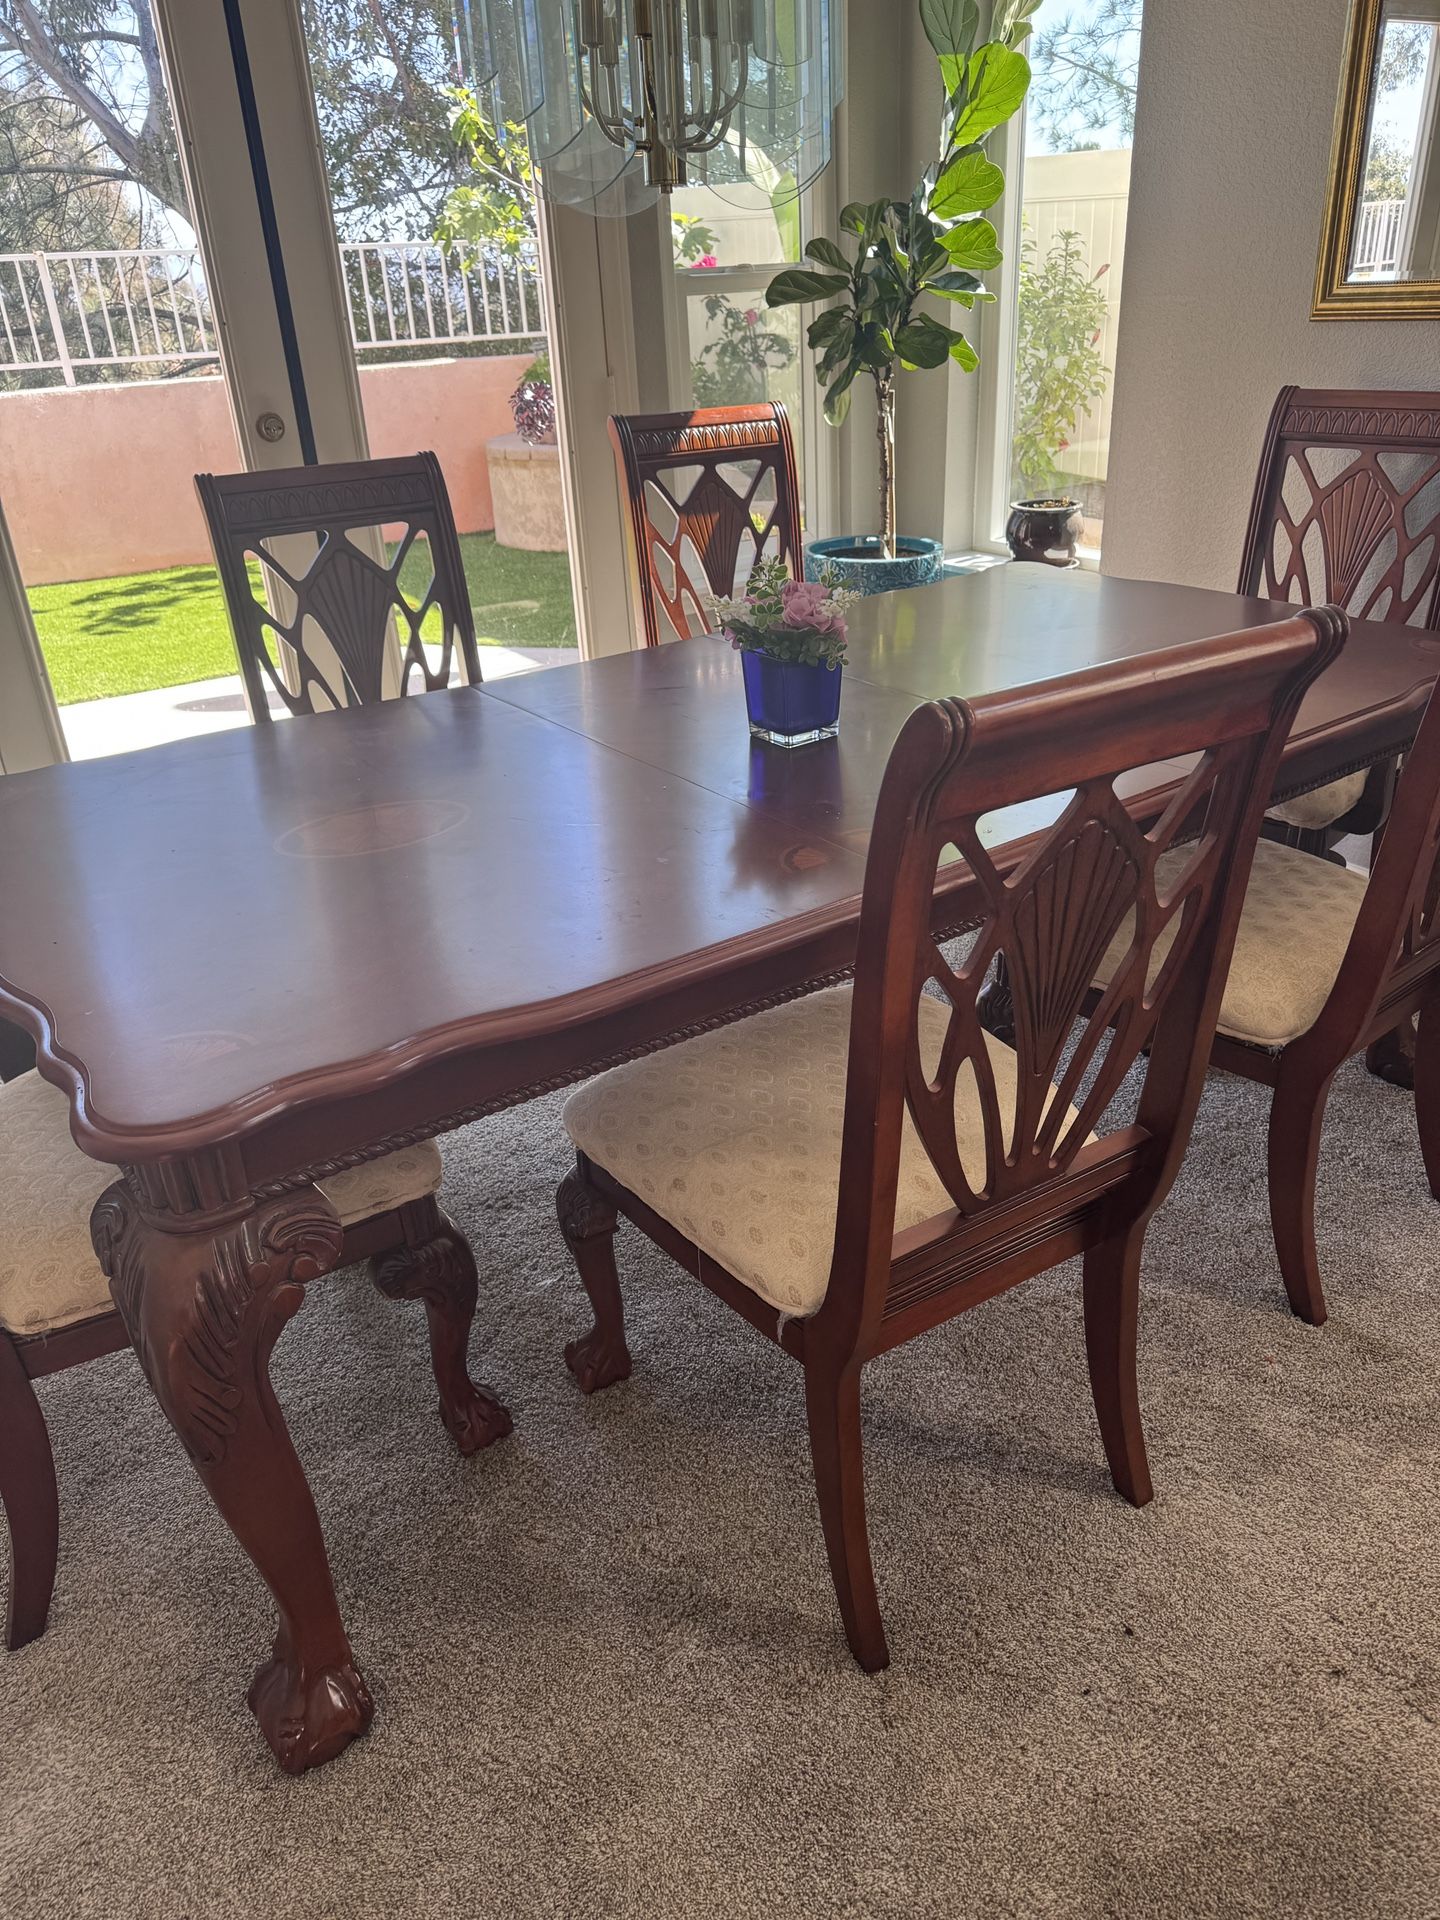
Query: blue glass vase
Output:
(790,704)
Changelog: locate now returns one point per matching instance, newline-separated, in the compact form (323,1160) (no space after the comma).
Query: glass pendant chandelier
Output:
(626,99)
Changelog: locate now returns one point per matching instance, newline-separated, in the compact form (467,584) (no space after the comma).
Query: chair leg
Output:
(832,1406)
(435,1265)
(1427,1089)
(1297,1115)
(1112,1317)
(588,1222)
(27,1491)
(1392,1057)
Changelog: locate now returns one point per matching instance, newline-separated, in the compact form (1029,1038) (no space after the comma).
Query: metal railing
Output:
(67,315)
(1377,238)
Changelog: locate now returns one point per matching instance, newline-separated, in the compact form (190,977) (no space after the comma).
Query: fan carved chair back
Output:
(707,494)
(957,1167)
(342,626)
(1043,1185)
(1347,505)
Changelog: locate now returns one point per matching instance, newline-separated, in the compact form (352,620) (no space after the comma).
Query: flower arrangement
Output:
(801,622)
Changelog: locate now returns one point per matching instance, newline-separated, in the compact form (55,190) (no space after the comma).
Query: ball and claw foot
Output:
(309,1718)
(476,1420)
(598,1361)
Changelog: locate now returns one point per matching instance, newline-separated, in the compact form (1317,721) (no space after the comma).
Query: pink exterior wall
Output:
(100,480)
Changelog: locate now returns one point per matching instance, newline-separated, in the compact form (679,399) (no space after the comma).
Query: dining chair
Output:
(851,1168)
(319,620)
(1347,509)
(56,1311)
(708,494)
(1327,960)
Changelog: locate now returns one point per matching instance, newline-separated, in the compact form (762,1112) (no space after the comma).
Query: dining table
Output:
(257,958)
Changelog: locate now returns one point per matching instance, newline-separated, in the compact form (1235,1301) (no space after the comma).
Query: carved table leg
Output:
(204,1298)
(1392,1056)
(588,1220)
(436,1265)
(994,1004)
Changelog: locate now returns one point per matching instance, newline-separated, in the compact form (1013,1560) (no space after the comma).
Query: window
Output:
(1052,347)
(727,347)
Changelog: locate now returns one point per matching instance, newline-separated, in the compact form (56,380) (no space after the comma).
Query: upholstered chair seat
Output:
(1322,806)
(735,1138)
(1296,924)
(49,1276)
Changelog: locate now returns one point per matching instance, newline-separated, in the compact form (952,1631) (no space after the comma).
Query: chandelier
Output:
(626,99)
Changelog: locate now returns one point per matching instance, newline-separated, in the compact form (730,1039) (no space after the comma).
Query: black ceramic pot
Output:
(1044,530)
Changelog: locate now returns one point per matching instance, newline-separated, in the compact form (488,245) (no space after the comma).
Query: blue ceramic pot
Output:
(860,565)
(791,705)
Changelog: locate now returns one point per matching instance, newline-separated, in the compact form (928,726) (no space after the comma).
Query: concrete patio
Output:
(133,720)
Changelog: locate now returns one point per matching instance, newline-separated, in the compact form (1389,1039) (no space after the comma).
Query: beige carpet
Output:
(609,1676)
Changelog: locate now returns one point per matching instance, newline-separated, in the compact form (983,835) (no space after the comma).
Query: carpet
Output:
(609,1674)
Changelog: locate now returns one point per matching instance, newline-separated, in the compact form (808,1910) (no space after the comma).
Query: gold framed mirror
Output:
(1380,245)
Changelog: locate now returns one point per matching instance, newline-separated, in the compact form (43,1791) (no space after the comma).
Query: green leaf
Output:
(950,25)
(828,254)
(837,400)
(972,246)
(952,71)
(963,354)
(998,81)
(863,217)
(969,184)
(826,325)
(924,343)
(795,285)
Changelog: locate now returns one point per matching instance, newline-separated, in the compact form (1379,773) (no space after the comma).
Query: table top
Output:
(212,939)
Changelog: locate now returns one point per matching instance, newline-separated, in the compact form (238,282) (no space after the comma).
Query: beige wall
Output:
(100,480)
(1232,142)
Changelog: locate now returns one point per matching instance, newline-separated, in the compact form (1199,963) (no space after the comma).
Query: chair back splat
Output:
(707,494)
(1046,1189)
(332,623)
(1347,505)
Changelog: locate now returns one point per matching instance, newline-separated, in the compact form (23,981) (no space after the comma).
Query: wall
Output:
(100,480)
(1232,144)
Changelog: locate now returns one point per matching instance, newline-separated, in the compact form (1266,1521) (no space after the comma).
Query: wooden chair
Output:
(708,493)
(1324,964)
(852,1168)
(56,1312)
(343,627)
(1347,509)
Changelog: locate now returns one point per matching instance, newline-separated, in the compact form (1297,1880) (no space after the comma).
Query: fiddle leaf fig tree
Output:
(896,261)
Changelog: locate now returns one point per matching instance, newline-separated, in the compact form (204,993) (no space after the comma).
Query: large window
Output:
(727,347)
(1064,275)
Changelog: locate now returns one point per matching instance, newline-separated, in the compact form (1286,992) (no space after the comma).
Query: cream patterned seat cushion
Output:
(1323,805)
(1296,924)
(49,1276)
(734,1138)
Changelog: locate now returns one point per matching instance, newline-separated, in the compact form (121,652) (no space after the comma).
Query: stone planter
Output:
(529,500)
(859,564)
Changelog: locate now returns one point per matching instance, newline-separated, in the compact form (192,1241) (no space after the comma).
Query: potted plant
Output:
(895,257)
(791,637)
(1059,374)
(532,405)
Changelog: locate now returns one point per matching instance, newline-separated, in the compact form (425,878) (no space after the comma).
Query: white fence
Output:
(69,314)
(1376,252)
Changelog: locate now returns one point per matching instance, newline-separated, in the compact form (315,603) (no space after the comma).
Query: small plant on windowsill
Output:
(895,258)
(791,636)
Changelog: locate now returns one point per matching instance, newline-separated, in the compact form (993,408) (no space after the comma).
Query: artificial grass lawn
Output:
(139,631)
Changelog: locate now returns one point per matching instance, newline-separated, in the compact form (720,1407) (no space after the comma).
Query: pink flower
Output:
(752,318)
(707,260)
(807,605)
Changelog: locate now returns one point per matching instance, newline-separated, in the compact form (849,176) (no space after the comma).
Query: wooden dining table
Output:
(257,958)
